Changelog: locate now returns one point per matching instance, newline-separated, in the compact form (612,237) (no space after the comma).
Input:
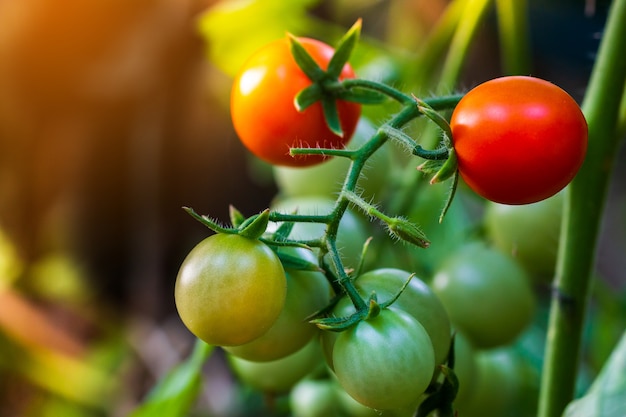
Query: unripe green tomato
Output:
(487,294)
(314,398)
(326,179)
(417,299)
(230,289)
(353,408)
(530,233)
(385,362)
(497,387)
(280,375)
(307,292)
(351,234)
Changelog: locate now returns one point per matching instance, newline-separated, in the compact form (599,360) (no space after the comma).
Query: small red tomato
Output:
(518,139)
(263,111)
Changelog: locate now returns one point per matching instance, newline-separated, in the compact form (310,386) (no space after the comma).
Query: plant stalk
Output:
(585,201)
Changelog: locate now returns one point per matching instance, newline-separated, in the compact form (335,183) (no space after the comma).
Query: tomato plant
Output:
(230,289)
(325,179)
(307,292)
(263,111)
(486,293)
(417,299)
(518,139)
(371,360)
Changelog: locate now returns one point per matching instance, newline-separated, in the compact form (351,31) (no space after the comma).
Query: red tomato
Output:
(263,111)
(518,139)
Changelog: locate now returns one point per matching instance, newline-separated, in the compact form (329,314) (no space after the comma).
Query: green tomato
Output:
(385,362)
(417,299)
(230,289)
(307,292)
(497,385)
(326,179)
(351,234)
(530,233)
(314,398)
(487,294)
(280,375)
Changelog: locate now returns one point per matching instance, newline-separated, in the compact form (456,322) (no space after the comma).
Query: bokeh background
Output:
(114,115)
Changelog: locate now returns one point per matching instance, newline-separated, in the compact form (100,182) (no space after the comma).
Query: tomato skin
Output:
(487,294)
(263,111)
(230,289)
(307,292)
(529,233)
(385,362)
(518,139)
(280,375)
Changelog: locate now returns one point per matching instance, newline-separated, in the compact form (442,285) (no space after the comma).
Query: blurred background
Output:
(114,115)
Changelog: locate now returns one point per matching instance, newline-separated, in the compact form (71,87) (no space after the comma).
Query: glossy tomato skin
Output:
(385,362)
(307,292)
(263,111)
(230,289)
(518,139)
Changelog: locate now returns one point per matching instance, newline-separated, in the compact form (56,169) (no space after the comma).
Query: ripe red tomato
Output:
(518,139)
(263,111)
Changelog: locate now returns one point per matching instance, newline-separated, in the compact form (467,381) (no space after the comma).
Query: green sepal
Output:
(430,166)
(306,63)
(447,169)
(209,222)
(331,114)
(344,50)
(283,231)
(339,324)
(451,194)
(255,226)
(392,300)
(307,97)
(236,218)
(432,114)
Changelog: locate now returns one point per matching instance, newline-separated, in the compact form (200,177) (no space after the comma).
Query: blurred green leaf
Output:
(234,29)
(174,395)
(606,396)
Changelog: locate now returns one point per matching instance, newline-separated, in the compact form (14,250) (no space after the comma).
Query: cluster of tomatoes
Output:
(256,299)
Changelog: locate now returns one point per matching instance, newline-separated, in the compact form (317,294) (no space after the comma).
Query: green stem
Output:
(585,202)
(514,36)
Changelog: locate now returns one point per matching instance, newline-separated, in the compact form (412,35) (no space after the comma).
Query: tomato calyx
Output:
(371,310)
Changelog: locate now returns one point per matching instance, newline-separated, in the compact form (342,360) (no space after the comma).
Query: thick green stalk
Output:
(583,212)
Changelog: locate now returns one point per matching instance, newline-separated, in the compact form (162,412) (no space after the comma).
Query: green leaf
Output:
(344,50)
(234,29)
(176,393)
(605,397)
